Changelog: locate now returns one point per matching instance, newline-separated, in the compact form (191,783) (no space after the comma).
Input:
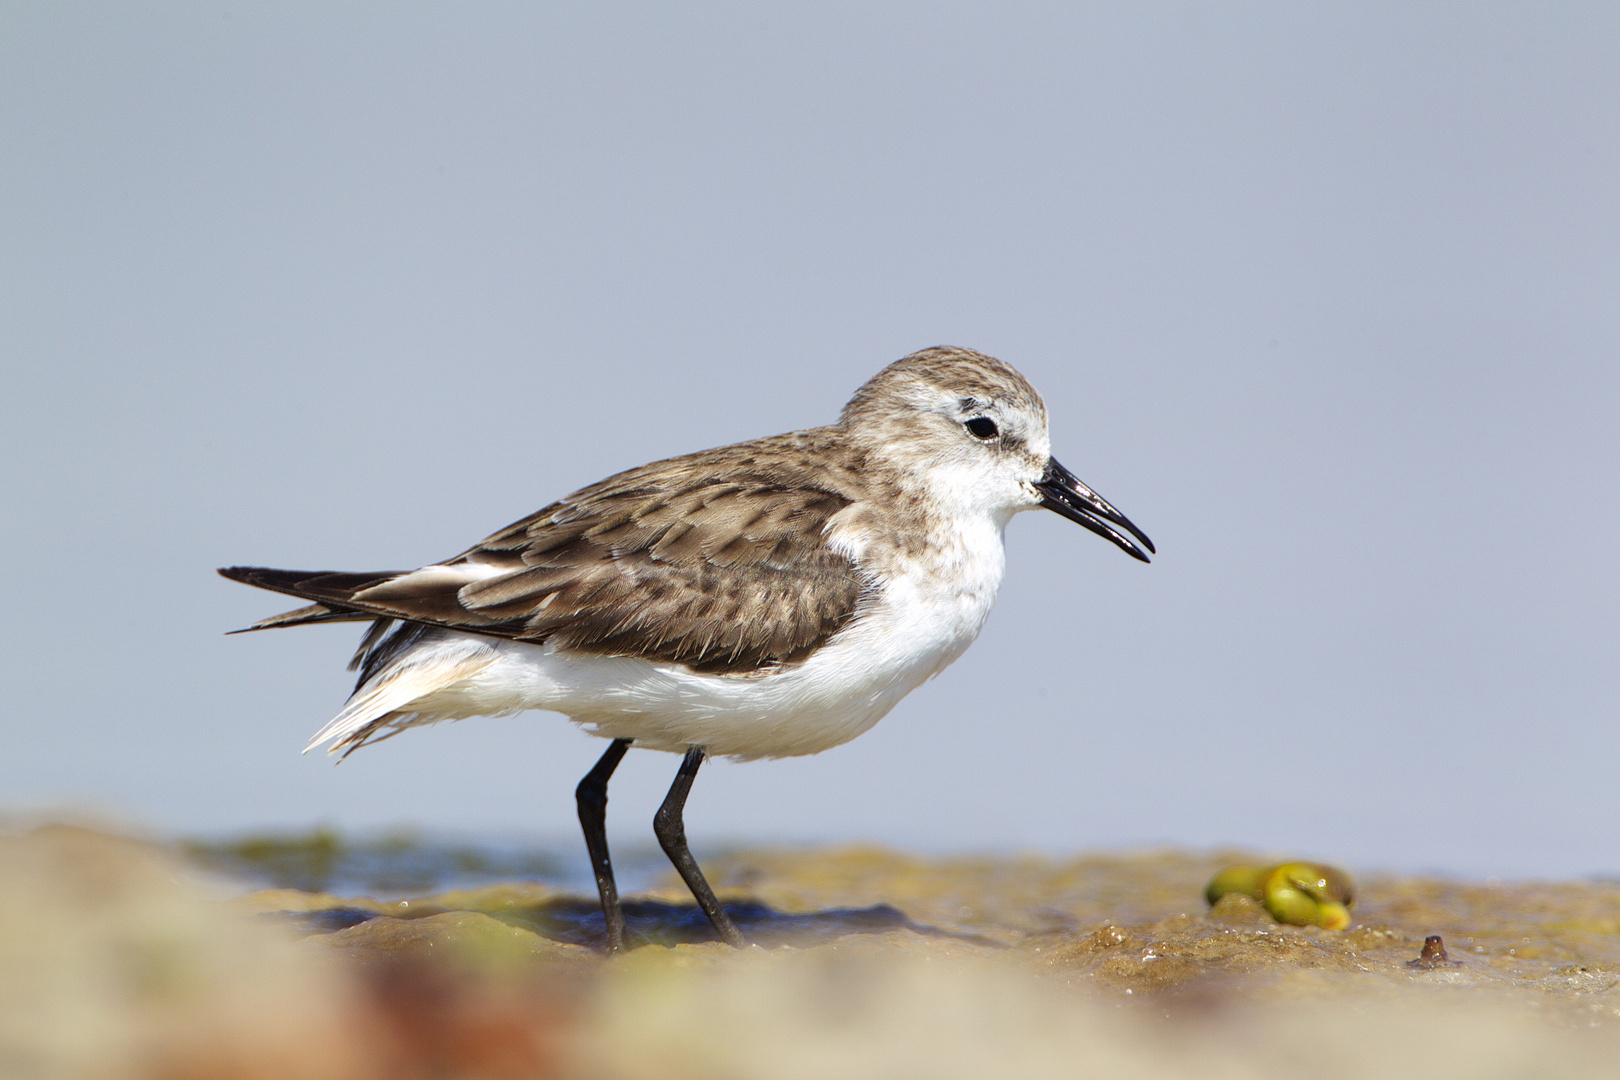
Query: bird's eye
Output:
(982,427)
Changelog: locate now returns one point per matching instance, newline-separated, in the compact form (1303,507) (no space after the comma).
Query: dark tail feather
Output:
(304,616)
(328,588)
(331,588)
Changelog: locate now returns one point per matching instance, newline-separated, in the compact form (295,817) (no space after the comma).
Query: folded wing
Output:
(717,561)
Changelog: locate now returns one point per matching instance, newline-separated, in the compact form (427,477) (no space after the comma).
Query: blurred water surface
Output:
(405,862)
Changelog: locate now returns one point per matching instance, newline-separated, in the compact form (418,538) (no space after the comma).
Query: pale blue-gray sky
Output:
(1325,297)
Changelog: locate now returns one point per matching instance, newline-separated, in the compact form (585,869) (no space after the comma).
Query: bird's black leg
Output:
(591,795)
(671,833)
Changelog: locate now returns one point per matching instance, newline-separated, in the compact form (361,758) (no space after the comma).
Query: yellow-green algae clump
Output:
(1296,893)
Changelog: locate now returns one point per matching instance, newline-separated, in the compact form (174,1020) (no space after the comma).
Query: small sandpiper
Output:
(768,599)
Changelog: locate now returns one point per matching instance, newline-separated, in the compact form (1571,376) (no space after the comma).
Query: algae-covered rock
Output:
(114,964)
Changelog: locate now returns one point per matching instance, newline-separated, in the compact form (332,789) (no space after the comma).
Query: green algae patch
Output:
(469,939)
(510,896)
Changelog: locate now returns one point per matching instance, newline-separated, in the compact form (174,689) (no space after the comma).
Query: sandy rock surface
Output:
(117,961)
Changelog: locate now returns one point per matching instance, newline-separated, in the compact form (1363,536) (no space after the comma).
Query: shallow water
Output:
(401,863)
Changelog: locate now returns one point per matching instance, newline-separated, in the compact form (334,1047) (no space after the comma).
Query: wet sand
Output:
(117,961)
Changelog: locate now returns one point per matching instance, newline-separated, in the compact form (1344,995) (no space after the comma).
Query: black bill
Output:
(1062,492)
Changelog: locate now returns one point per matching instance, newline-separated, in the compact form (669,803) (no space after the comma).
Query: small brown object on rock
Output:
(1433,955)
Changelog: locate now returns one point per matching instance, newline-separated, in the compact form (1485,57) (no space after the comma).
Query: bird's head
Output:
(970,431)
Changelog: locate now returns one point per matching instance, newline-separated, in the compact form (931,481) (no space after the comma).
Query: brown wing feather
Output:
(715,560)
